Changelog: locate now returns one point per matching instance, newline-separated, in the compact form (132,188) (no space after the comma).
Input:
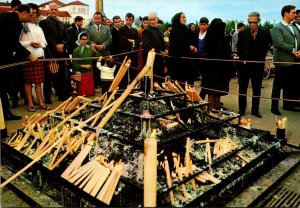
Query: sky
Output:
(193,9)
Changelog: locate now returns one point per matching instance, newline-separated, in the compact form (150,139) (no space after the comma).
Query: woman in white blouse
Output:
(32,37)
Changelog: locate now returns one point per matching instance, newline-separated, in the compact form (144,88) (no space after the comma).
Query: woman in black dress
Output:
(220,72)
(181,45)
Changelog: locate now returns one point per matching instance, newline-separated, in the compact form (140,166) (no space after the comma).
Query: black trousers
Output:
(253,72)
(5,77)
(16,84)
(286,79)
(60,81)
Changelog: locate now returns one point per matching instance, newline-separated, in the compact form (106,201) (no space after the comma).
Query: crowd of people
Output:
(182,53)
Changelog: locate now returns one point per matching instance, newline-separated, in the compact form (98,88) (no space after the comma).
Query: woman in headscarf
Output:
(181,46)
(85,87)
(219,73)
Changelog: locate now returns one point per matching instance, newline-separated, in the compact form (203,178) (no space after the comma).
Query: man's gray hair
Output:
(254,14)
(152,14)
(52,4)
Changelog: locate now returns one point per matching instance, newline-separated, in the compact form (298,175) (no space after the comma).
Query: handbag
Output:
(53,67)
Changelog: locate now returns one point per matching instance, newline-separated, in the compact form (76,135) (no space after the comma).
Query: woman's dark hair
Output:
(145,18)
(191,24)
(34,6)
(176,19)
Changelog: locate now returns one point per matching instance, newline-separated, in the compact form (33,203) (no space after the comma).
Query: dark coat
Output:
(125,34)
(115,45)
(72,34)
(219,73)
(153,38)
(248,49)
(55,33)
(11,48)
(180,41)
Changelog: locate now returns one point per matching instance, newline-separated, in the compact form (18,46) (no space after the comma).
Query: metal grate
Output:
(283,197)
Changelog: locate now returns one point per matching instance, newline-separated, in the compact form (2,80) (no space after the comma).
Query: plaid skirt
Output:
(86,86)
(34,72)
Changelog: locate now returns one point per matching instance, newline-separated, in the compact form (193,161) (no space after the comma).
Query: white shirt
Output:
(35,34)
(201,36)
(106,72)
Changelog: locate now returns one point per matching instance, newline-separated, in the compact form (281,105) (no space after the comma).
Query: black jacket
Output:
(153,38)
(55,33)
(11,48)
(115,45)
(249,49)
(128,33)
(72,34)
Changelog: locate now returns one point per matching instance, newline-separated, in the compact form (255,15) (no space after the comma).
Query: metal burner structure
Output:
(206,153)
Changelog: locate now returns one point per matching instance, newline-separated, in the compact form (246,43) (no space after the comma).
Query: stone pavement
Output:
(267,122)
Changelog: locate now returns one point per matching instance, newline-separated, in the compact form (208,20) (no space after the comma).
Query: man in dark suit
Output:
(115,45)
(56,37)
(73,32)
(12,51)
(129,41)
(253,45)
(286,43)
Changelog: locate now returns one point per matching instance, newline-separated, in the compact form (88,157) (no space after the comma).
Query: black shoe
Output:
(63,98)
(257,114)
(291,108)
(48,101)
(276,112)
(10,116)
(13,103)
(242,113)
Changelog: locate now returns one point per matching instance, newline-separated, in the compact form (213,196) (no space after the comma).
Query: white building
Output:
(68,11)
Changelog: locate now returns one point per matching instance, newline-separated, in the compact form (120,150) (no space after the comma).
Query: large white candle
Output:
(150,171)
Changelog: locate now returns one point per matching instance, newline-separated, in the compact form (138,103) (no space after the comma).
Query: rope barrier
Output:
(232,93)
(61,59)
(163,78)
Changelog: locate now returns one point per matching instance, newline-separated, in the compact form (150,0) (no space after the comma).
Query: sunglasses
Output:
(252,22)
(83,39)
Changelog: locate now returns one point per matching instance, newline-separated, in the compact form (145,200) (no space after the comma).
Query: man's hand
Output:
(86,66)
(32,58)
(193,49)
(297,54)
(36,44)
(165,52)
(60,48)
(100,47)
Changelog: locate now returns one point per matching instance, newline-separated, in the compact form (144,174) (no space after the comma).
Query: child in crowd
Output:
(85,84)
(107,68)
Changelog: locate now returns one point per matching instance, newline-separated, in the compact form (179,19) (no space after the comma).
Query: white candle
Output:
(150,171)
